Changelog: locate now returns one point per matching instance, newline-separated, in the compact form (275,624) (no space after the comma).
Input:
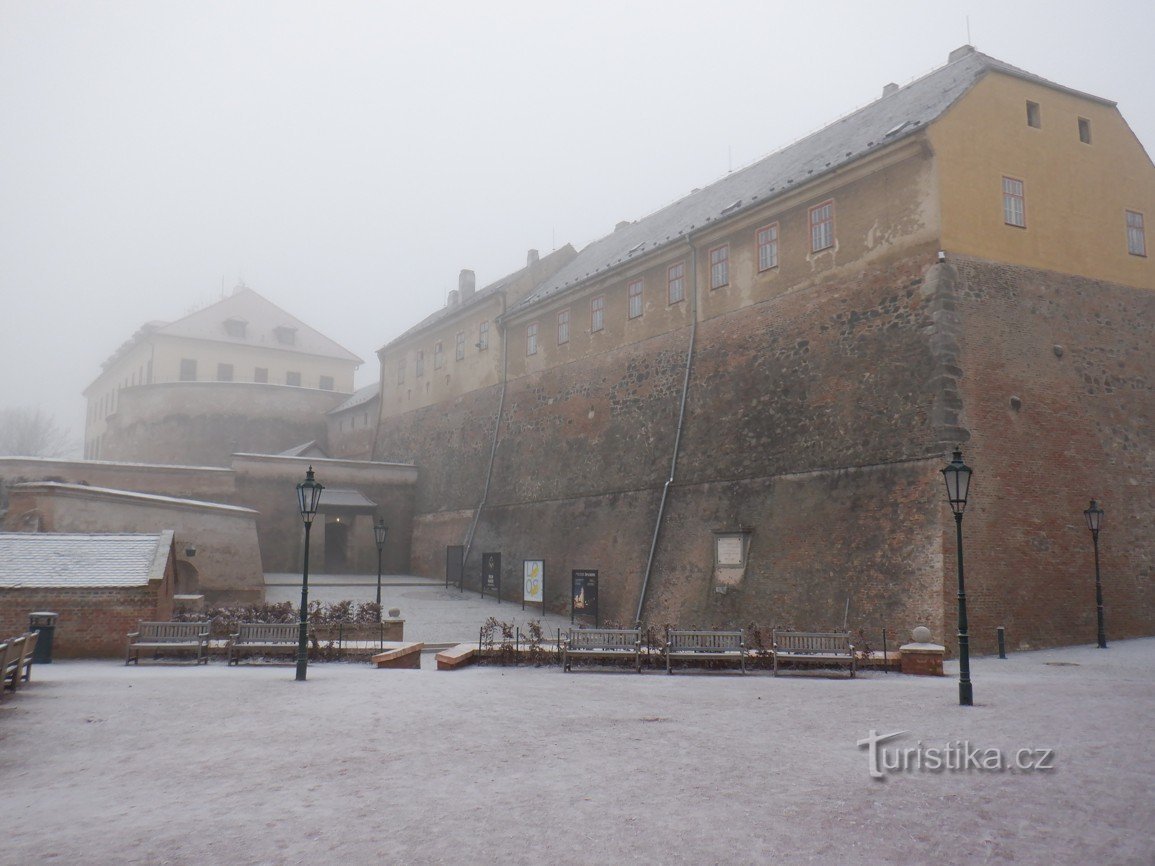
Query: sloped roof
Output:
(261,318)
(339,497)
(903,113)
(82,560)
(358,397)
(305,449)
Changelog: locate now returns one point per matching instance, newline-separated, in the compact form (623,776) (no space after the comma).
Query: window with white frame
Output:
(438,355)
(420,362)
(562,327)
(676,283)
(483,336)
(768,247)
(597,313)
(822,226)
(720,266)
(1014,203)
(1136,237)
(634,293)
(531,339)
(459,348)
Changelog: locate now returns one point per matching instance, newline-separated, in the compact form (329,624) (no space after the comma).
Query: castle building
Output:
(239,375)
(737,408)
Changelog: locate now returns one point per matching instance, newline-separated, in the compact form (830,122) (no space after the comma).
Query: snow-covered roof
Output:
(155,499)
(82,560)
(358,397)
(897,115)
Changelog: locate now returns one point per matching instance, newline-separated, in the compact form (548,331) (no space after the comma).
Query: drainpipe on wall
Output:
(678,431)
(496,431)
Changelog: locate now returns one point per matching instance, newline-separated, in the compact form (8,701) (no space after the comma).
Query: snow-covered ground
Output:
(168,763)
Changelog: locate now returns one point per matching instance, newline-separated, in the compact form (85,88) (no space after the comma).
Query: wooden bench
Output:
(263,637)
(705,646)
(16,664)
(602,643)
(813,647)
(169,636)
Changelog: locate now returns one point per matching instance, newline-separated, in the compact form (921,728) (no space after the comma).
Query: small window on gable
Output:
(1014,203)
(235,328)
(1034,115)
(1136,236)
(1084,130)
(286,336)
(634,292)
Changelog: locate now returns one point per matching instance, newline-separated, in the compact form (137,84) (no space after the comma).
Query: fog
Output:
(347,159)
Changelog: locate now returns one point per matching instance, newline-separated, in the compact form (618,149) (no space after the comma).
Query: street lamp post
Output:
(1094,515)
(958,480)
(380,530)
(308,497)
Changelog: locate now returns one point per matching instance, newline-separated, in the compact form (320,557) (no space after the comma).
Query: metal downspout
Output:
(678,432)
(493,446)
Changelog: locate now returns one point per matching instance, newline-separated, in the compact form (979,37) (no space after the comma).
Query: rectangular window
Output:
(326,383)
(597,313)
(676,283)
(235,328)
(720,266)
(261,374)
(401,371)
(1014,203)
(1136,238)
(822,226)
(768,247)
(224,372)
(1084,130)
(293,378)
(483,336)
(563,327)
(188,369)
(1034,115)
(286,336)
(420,362)
(531,339)
(459,349)
(438,355)
(634,291)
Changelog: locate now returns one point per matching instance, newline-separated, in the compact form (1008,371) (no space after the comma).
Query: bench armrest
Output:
(133,634)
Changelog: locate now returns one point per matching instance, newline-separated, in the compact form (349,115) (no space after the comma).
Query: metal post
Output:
(303,637)
(1001,633)
(965,693)
(379,578)
(885,654)
(1099,595)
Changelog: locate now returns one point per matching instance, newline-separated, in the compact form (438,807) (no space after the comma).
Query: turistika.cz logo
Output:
(956,757)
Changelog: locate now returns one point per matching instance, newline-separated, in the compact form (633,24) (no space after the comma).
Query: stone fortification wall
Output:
(1059,389)
(205,423)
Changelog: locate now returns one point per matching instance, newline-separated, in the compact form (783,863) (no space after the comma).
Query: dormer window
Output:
(285,336)
(235,328)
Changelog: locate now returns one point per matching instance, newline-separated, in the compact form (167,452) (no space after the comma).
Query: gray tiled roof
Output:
(81,560)
(361,395)
(879,124)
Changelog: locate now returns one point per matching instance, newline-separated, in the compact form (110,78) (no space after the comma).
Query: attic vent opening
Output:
(895,130)
(734,205)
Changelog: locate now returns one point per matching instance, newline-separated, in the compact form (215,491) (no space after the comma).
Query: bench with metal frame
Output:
(700,645)
(168,637)
(824,648)
(602,643)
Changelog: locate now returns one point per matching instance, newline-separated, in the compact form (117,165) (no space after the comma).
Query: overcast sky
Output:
(348,159)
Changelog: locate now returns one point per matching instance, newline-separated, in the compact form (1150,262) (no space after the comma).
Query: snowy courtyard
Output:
(174,763)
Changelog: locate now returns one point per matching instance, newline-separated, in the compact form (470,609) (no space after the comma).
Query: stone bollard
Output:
(922,658)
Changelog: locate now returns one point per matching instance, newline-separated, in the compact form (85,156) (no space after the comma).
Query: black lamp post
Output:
(1094,516)
(958,481)
(380,530)
(308,497)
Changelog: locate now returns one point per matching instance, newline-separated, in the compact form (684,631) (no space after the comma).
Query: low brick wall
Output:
(92,623)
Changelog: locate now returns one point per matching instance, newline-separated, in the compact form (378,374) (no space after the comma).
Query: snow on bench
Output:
(158,636)
(813,647)
(705,646)
(602,643)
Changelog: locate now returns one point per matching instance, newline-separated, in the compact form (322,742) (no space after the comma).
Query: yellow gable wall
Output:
(1075,193)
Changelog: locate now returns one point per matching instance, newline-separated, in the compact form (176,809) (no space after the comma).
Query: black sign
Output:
(491,574)
(455,566)
(585,594)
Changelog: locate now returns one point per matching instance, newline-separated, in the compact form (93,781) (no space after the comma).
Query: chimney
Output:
(466,283)
(960,53)
(454,298)
(888,89)
(531,258)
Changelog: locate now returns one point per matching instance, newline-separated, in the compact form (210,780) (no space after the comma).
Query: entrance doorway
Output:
(337,546)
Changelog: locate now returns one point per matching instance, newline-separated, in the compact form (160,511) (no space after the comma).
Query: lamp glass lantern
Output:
(1094,515)
(958,482)
(380,531)
(309,497)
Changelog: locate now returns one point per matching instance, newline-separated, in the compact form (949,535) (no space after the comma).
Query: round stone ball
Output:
(921,634)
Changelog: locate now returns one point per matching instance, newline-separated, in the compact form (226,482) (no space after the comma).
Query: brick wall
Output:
(92,623)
